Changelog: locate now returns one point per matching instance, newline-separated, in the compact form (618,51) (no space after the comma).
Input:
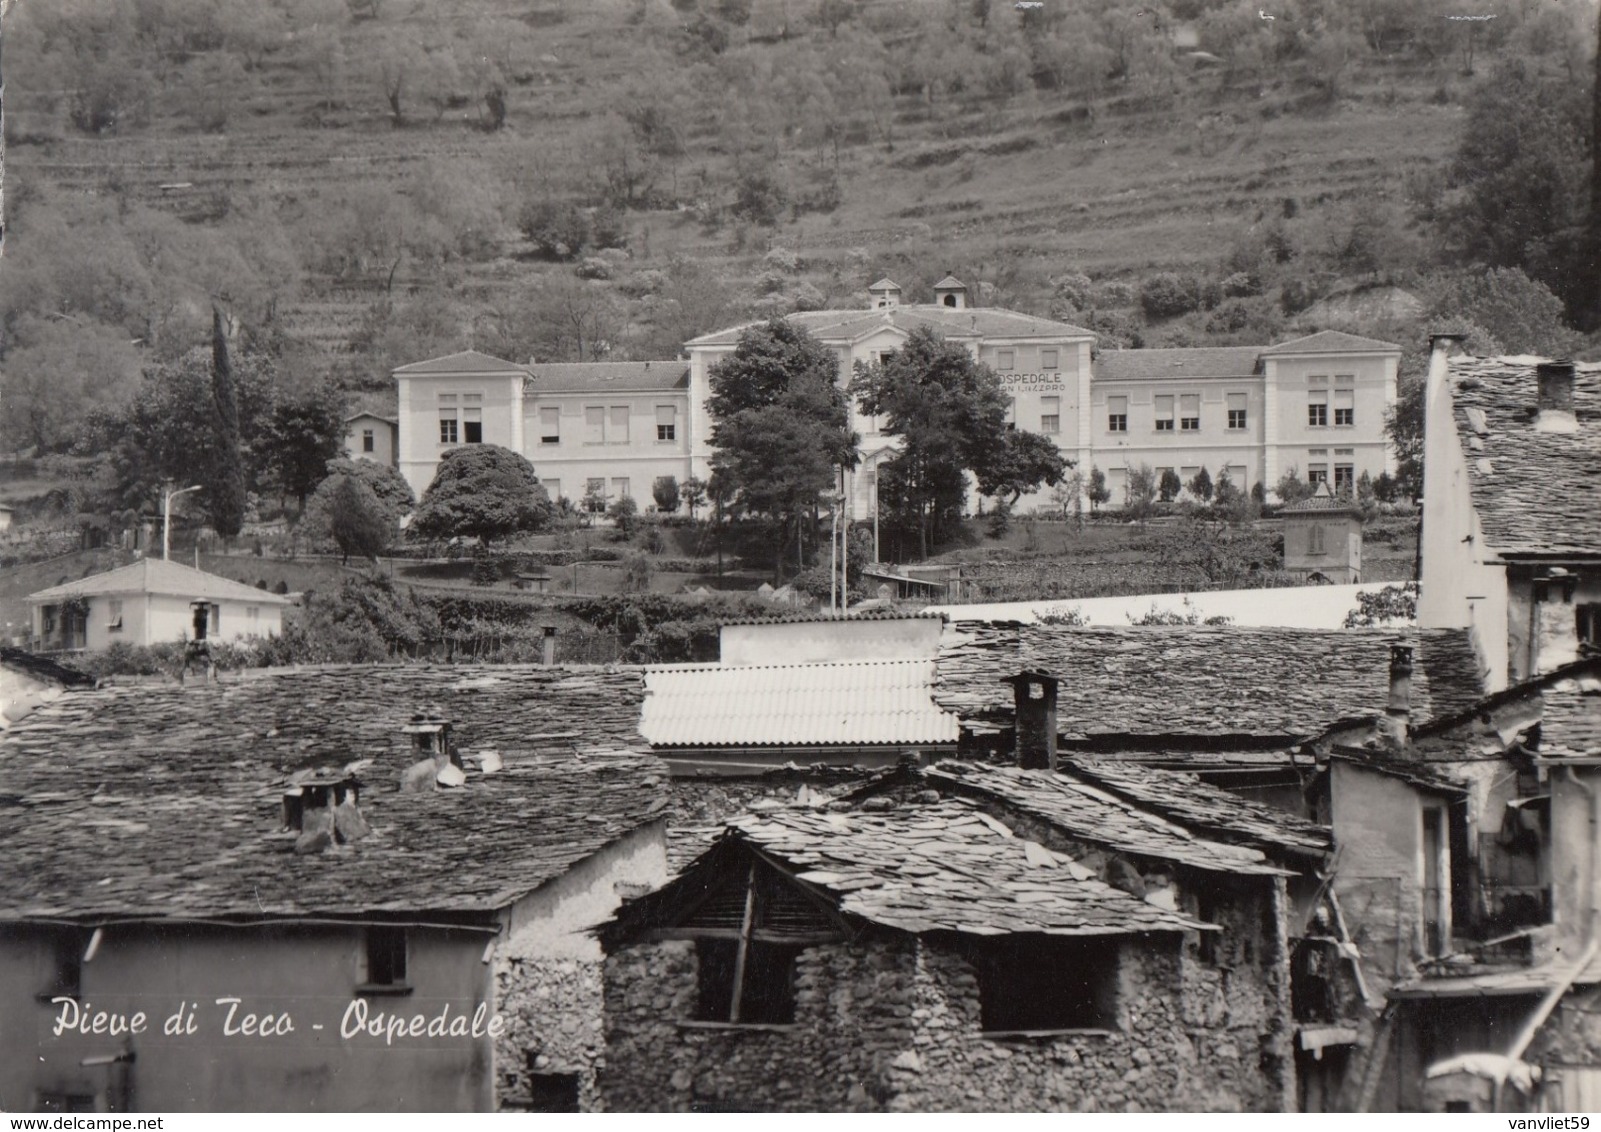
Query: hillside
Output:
(297,162)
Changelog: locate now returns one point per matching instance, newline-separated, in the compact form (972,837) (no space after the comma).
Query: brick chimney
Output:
(1398,710)
(1556,398)
(1553,628)
(1034,694)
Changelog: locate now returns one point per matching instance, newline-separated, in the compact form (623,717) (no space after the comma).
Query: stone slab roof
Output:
(1187,363)
(1086,812)
(1534,492)
(836,702)
(837,326)
(1210,809)
(1210,681)
(44,668)
(1331,342)
(608,377)
(158,576)
(947,866)
(166,802)
(1570,718)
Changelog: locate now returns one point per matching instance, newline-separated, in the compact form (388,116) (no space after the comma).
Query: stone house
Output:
(151,601)
(327,846)
(1511,538)
(906,945)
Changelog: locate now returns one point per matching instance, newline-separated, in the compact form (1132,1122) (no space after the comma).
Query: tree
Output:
(482,491)
(1021,463)
(225,485)
(56,372)
(666,494)
(1169,486)
(1099,493)
(1521,314)
(1201,485)
(356,521)
(1389,606)
(298,439)
(949,412)
(694,493)
(780,427)
(388,485)
(1524,174)
(1069,496)
(624,512)
(1141,493)
(1291,488)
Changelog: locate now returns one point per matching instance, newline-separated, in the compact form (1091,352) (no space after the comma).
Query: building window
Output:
(114,615)
(666,422)
(1117,414)
(1050,414)
(595,495)
(1236,410)
(369,442)
(1344,407)
(1314,540)
(617,425)
(766,993)
(594,424)
(1344,477)
(472,418)
(550,1092)
(1587,620)
(1317,473)
(1164,414)
(1190,412)
(1005,359)
(1050,358)
(1317,402)
(1039,984)
(386,957)
(550,425)
(66,968)
(448,432)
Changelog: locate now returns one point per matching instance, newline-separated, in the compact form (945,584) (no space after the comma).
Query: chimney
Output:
(1556,398)
(438,763)
(324,810)
(1034,694)
(548,646)
(1554,630)
(1398,711)
(950,292)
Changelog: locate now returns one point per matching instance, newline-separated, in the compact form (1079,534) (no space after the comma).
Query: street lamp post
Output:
(166,518)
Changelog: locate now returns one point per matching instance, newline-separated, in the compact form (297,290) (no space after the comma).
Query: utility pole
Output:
(4,6)
(166,519)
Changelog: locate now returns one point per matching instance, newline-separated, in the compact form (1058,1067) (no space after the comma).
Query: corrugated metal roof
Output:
(852,702)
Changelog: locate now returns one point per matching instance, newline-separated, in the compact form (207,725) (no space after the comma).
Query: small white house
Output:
(369,436)
(149,601)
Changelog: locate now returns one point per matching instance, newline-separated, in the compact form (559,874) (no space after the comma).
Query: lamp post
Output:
(166,518)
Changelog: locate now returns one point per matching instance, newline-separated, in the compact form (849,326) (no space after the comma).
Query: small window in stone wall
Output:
(552,1092)
(763,993)
(386,959)
(1031,984)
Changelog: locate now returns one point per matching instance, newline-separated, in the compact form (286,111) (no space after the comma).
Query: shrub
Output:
(1242,285)
(1074,290)
(1168,294)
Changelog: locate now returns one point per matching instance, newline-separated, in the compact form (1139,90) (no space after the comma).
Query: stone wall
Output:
(895,1025)
(552,1010)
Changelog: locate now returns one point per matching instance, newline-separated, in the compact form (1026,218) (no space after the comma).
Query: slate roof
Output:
(1218,681)
(1322,502)
(462,362)
(1534,492)
(1186,799)
(802,616)
(946,866)
(1570,719)
(1086,812)
(166,802)
(951,322)
(836,702)
(1331,342)
(158,576)
(1189,363)
(44,668)
(608,377)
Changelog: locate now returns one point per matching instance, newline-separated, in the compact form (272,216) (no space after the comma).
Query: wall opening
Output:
(552,1092)
(1041,983)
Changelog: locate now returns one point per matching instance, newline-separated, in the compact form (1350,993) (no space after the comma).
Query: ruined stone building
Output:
(325,845)
(970,937)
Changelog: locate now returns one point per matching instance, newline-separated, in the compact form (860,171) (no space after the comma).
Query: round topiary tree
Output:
(482,491)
